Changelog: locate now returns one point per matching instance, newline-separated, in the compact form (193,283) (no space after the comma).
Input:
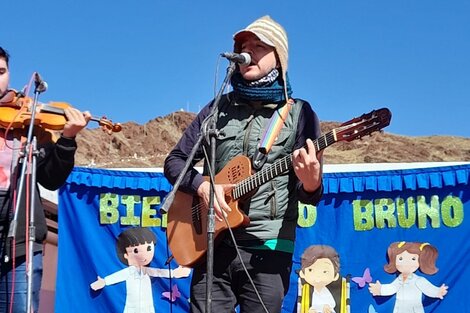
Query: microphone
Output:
(240,58)
(40,84)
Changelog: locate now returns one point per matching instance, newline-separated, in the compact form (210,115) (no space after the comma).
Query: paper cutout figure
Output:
(365,279)
(405,258)
(135,248)
(319,268)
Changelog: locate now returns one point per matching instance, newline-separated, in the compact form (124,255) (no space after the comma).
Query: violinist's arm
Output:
(55,162)
(58,159)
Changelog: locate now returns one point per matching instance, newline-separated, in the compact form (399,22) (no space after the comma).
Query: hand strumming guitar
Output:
(220,205)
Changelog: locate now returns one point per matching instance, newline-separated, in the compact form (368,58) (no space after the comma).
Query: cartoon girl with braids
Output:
(406,258)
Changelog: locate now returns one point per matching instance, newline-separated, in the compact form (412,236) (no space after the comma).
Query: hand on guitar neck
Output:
(220,205)
(307,166)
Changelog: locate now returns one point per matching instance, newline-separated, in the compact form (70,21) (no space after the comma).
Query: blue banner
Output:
(363,214)
(403,228)
(95,208)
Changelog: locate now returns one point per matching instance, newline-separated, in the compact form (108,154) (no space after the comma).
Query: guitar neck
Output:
(279,167)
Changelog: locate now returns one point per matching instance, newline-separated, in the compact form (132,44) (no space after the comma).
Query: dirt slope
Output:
(147,145)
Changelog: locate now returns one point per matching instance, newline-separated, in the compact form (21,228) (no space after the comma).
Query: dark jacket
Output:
(55,161)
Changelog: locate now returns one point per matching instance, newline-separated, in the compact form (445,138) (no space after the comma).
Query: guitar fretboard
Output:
(279,167)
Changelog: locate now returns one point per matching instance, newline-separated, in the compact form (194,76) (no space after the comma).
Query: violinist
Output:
(54,163)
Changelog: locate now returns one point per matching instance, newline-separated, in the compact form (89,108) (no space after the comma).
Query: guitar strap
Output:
(270,134)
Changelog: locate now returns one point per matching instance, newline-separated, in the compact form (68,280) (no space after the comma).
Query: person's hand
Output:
(98,284)
(375,288)
(76,121)
(220,205)
(307,166)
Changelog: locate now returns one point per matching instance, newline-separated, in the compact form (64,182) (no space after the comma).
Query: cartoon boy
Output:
(136,247)
(319,268)
(405,258)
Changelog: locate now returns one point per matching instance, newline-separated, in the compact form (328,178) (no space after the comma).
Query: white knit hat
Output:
(271,33)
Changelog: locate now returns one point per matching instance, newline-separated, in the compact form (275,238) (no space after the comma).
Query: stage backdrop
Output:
(361,215)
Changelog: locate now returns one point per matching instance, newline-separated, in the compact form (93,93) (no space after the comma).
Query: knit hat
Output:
(271,33)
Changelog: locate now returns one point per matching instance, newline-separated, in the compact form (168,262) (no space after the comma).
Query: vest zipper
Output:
(246,139)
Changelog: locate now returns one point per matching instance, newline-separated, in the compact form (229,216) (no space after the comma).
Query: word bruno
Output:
(399,212)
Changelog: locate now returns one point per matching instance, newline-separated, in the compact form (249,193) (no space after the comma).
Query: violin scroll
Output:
(108,125)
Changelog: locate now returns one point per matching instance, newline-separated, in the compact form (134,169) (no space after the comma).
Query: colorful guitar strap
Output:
(270,133)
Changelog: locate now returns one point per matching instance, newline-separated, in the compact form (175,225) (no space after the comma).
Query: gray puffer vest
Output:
(273,209)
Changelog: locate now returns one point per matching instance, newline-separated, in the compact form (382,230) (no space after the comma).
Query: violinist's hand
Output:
(220,205)
(307,166)
(76,121)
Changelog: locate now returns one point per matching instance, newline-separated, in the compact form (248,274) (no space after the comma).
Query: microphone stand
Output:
(30,148)
(210,133)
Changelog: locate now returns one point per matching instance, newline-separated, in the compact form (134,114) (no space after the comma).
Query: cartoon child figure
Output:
(405,258)
(319,268)
(136,247)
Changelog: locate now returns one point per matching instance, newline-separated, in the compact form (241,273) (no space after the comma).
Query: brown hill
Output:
(147,145)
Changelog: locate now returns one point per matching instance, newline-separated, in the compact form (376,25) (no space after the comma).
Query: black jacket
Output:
(54,163)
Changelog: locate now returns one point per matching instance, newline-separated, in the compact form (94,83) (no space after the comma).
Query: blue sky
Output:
(138,60)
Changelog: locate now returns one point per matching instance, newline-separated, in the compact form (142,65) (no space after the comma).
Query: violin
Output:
(15,112)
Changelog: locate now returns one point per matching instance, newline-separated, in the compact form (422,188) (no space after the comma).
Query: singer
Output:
(54,164)
(261,95)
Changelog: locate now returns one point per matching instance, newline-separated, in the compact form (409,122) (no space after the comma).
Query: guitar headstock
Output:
(363,125)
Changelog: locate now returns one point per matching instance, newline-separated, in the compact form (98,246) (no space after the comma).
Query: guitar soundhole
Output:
(196,215)
(235,174)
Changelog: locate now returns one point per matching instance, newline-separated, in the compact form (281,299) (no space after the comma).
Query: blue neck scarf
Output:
(267,89)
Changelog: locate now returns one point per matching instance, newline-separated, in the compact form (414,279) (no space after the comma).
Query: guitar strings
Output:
(277,168)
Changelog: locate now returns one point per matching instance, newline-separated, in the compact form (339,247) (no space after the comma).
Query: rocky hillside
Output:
(147,145)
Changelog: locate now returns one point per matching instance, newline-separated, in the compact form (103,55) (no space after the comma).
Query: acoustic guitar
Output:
(187,217)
